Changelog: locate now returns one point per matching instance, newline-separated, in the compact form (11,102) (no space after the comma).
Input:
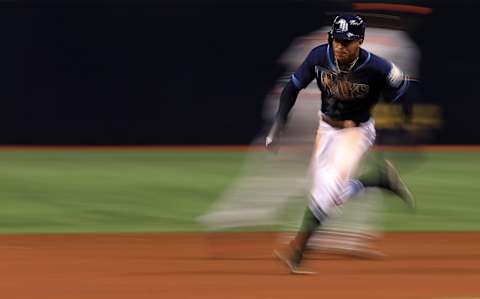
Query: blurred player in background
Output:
(351,81)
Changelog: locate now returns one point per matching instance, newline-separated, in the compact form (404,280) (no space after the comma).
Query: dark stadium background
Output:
(176,72)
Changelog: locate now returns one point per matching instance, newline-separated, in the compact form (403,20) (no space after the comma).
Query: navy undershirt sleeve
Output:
(299,80)
(306,72)
(287,100)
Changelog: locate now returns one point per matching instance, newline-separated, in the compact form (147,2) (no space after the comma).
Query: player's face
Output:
(346,50)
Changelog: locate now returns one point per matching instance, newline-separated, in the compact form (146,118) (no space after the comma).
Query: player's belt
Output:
(339,124)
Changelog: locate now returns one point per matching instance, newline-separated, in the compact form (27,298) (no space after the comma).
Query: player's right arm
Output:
(287,100)
(299,80)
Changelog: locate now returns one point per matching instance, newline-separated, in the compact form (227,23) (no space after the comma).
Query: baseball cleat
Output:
(396,185)
(294,267)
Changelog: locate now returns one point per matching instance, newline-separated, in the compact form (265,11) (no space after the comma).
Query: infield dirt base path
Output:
(236,265)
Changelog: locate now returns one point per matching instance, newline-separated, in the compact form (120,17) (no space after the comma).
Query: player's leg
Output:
(384,175)
(292,255)
(339,153)
(379,174)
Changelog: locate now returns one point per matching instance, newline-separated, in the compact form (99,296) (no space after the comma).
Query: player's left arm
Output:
(396,84)
(398,88)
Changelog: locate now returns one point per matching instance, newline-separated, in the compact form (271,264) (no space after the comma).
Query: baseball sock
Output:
(309,224)
(374,176)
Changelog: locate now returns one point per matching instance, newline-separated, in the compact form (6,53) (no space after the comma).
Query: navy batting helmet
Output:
(347,26)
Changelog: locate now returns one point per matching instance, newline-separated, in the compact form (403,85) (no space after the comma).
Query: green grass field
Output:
(165,191)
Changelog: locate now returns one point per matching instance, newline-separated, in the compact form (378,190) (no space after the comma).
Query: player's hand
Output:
(271,140)
(271,145)
(268,141)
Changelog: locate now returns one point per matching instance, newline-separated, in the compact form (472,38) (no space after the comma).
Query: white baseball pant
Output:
(335,159)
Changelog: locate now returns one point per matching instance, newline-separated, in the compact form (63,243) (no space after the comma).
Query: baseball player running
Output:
(351,81)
